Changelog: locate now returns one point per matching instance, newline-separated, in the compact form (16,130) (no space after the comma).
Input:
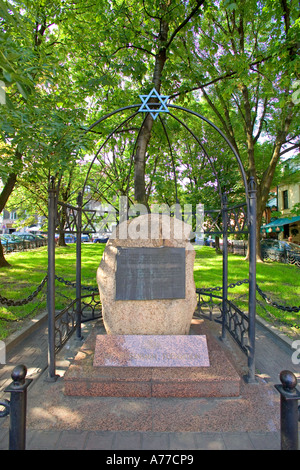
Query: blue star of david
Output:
(154,108)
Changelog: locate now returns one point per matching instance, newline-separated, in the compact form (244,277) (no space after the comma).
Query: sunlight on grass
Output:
(278,281)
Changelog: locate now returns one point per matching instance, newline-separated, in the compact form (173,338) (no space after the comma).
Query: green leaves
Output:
(65,64)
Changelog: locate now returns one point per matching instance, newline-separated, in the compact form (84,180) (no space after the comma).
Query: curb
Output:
(18,336)
(34,323)
(274,331)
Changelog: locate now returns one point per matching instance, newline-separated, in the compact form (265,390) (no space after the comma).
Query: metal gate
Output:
(237,219)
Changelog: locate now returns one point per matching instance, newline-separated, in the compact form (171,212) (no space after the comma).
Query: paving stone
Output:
(182,441)
(127,440)
(99,440)
(72,440)
(237,441)
(43,440)
(265,441)
(4,439)
(209,441)
(155,440)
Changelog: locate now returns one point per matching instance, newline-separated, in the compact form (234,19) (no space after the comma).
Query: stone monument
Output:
(145,277)
(151,346)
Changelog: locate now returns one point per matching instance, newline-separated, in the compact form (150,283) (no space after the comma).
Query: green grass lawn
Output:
(279,281)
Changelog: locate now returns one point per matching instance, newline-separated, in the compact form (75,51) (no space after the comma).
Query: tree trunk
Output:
(3,262)
(61,226)
(140,161)
(6,192)
(160,60)
(145,134)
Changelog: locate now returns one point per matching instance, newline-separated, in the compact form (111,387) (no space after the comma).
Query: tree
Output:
(86,58)
(132,45)
(37,127)
(249,52)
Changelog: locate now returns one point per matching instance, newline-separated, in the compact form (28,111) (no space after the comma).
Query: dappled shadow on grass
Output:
(238,268)
(280,282)
(29,264)
(208,269)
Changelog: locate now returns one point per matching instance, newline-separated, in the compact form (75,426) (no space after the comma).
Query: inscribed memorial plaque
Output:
(151,351)
(150,273)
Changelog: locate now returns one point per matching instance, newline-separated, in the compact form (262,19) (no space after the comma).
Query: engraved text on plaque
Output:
(150,273)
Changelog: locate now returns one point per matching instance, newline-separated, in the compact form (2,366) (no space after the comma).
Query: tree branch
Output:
(296,146)
(217,79)
(261,122)
(131,46)
(193,12)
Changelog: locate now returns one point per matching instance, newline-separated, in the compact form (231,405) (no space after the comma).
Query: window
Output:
(285,198)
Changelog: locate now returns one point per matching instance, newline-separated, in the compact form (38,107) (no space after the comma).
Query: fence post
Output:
(289,414)
(51,280)
(78,266)
(225,264)
(252,279)
(16,408)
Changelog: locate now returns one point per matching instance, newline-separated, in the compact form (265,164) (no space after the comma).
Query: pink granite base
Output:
(220,379)
(151,351)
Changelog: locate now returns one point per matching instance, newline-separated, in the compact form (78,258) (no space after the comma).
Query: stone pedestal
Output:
(89,376)
(151,351)
(160,301)
(148,299)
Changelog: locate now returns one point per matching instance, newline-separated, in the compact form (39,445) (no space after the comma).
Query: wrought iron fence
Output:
(211,306)
(240,247)
(23,245)
(66,319)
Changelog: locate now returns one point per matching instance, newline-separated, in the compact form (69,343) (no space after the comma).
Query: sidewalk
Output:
(57,422)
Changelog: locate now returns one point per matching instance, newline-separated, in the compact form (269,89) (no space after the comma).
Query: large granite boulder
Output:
(144,294)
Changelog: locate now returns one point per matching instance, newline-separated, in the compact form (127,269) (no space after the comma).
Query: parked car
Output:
(210,241)
(33,239)
(10,242)
(101,238)
(84,238)
(42,237)
(26,236)
(280,250)
(69,238)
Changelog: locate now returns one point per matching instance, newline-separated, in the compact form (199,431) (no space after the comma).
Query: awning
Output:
(277,225)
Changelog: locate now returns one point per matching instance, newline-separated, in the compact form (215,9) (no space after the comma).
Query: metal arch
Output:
(210,123)
(172,156)
(224,137)
(206,154)
(108,137)
(111,114)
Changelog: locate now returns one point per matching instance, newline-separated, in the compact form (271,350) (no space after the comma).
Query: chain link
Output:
(261,293)
(18,303)
(218,289)
(73,284)
(275,304)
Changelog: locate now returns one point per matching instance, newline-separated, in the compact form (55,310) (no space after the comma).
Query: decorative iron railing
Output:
(66,319)
(236,322)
